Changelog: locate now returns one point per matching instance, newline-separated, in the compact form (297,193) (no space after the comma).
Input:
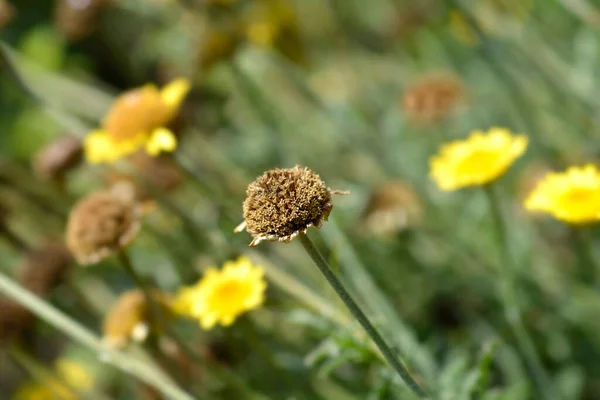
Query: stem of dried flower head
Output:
(360,316)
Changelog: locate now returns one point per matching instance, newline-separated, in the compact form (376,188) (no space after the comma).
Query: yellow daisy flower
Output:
(478,160)
(137,120)
(222,296)
(572,196)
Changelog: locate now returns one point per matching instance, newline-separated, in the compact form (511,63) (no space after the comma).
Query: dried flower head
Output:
(223,295)
(392,207)
(130,317)
(282,203)
(76,19)
(45,268)
(137,120)
(7,12)
(477,160)
(14,320)
(432,99)
(59,157)
(100,225)
(572,196)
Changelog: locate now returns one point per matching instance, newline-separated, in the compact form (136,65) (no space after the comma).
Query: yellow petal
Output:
(98,147)
(173,93)
(161,139)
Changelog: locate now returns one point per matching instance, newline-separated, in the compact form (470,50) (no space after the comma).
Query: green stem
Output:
(337,285)
(510,302)
(125,362)
(588,264)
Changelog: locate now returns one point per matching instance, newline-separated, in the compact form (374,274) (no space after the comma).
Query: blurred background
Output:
(361,92)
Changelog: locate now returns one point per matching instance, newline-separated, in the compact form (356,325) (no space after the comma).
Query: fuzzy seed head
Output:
(45,268)
(100,225)
(282,203)
(58,158)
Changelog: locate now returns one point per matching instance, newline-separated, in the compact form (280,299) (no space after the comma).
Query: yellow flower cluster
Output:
(572,196)
(137,120)
(223,295)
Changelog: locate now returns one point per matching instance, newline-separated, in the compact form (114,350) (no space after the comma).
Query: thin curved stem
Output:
(337,285)
(512,309)
(125,362)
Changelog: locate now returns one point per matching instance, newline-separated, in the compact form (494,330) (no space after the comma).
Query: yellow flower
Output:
(478,160)
(75,374)
(572,196)
(71,379)
(50,389)
(137,120)
(222,296)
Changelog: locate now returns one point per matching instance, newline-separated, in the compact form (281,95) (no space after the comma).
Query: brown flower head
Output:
(59,157)
(45,268)
(432,99)
(7,12)
(76,19)
(282,203)
(100,225)
(129,317)
(14,319)
(392,207)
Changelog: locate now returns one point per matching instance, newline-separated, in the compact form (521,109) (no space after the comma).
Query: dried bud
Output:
(392,207)
(14,319)
(7,13)
(129,318)
(159,171)
(100,225)
(58,158)
(76,19)
(282,203)
(45,268)
(432,99)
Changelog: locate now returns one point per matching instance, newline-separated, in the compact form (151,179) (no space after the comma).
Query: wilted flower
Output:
(282,203)
(572,196)
(7,12)
(14,320)
(478,160)
(100,225)
(130,317)
(432,99)
(392,207)
(222,296)
(137,121)
(59,157)
(45,268)
(76,19)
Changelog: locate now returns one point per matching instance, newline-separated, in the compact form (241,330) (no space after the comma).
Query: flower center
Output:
(229,296)
(477,161)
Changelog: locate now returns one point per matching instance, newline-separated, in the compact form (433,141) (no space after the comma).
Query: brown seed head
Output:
(100,225)
(45,268)
(58,158)
(392,207)
(129,317)
(7,12)
(282,203)
(76,19)
(432,99)
(14,319)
